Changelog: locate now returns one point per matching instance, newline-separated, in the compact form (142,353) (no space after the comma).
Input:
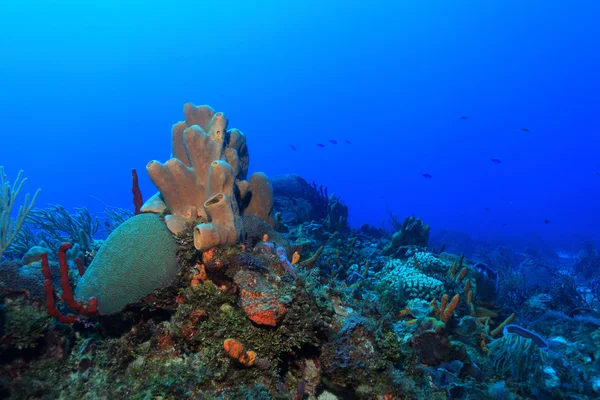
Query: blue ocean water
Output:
(89,91)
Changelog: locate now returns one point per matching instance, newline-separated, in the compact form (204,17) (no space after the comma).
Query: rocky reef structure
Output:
(204,185)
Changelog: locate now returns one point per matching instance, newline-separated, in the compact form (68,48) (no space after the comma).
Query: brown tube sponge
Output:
(259,198)
(225,227)
(196,143)
(207,172)
(221,179)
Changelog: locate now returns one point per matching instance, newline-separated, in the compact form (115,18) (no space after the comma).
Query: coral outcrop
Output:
(412,232)
(413,282)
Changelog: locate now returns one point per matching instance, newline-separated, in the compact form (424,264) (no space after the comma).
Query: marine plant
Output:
(412,232)
(520,353)
(9,226)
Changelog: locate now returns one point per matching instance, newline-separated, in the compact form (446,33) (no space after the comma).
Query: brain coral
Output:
(415,283)
(136,259)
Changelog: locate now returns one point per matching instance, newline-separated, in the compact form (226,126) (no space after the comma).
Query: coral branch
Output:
(137,193)
(311,261)
(88,310)
(80,268)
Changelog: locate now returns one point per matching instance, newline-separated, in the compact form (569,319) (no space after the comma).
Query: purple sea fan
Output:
(285,263)
(519,330)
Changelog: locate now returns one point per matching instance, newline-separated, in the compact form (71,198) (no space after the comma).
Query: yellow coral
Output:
(500,327)
(449,310)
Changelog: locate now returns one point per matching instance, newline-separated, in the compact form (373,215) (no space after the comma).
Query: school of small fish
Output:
(427,175)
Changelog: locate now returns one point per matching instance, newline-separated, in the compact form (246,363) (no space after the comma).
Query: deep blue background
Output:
(89,91)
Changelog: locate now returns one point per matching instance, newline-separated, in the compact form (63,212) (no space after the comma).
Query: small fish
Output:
(525,129)
(546,221)
(598,173)
(486,209)
(320,145)
(333,141)
(348,142)
(428,176)
(495,161)
(503,225)
(464,117)
(292,147)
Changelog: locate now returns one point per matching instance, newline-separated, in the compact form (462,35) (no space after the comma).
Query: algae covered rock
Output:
(136,259)
(259,298)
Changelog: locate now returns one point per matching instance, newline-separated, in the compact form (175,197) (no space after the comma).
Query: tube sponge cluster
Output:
(206,178)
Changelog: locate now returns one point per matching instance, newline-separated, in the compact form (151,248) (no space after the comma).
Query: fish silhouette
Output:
(546,221)
(292,147)
(348,142)
(525,129)
(495,161)
(333,141)
(320,145)
(428,176)
(464,117)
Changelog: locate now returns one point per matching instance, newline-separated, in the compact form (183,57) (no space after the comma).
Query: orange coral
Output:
(444,303)
(484,312)
(467,286)
(311,261)
(201,276)
(265,238)
(500,327)
(461,274)
(295,258)
(417,266)
(208,255)
(404,313)
(469,297)
(483,344)
(445,311)
(453,269)
(235,350)
(449,310)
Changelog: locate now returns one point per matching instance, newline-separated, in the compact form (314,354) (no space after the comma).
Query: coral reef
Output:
(205,292)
